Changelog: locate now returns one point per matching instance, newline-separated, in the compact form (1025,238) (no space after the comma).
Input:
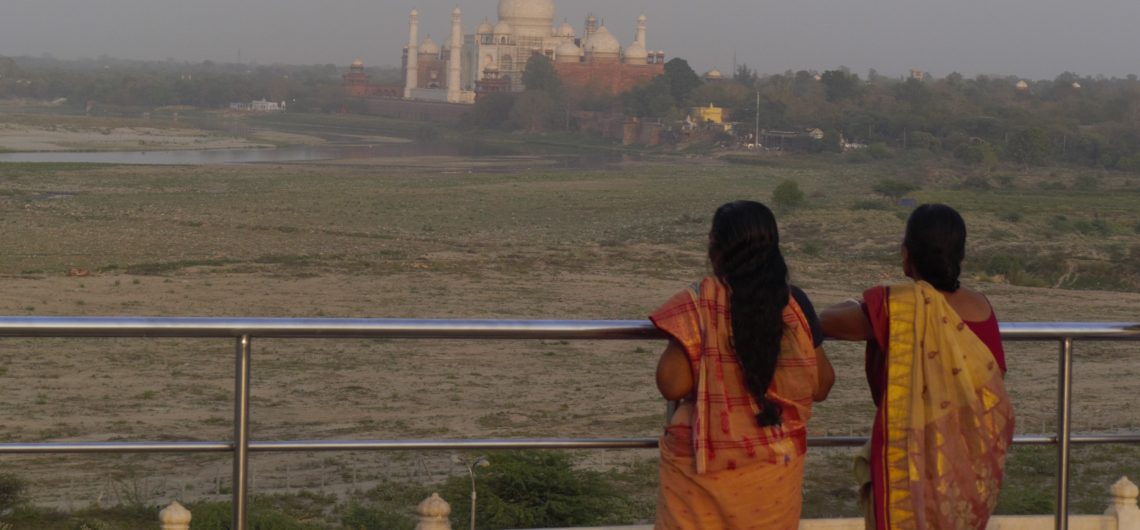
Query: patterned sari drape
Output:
(945,421)
(719,469)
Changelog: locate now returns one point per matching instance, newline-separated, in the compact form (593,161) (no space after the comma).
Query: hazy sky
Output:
(1030,38)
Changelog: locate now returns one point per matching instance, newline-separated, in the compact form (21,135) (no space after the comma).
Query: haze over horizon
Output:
(1036,39)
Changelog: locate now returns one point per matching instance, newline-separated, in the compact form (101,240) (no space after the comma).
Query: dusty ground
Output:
(427,239)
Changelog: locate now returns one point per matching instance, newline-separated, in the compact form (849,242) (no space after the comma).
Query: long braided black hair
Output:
(744,247)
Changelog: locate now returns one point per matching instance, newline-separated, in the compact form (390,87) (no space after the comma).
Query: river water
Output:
(298,154)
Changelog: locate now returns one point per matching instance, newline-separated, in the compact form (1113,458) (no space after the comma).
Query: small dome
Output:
(714,74)
(456,11)
(491,68)
(636,53)
(566,30)
(502,28)
(429,47)
(357,64)
(603,43)
(434,507)
(568,52)
(484,29)
(1076,85)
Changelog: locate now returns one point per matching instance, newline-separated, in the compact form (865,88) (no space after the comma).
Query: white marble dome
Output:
(502,28)
(429,47)
(526,9)
(568,52)
(566,30)
(530,18)
(484,29)
(636,54)
(603,44)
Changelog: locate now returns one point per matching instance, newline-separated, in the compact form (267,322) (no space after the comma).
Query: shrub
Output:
(360,517)
(893,189)
(922,140)
(1010,217)
(869,205)
(1086,183)
(535,489)
(11,491)
(980,154)
(879,151)
(858,156)
(975,182)
(787,196)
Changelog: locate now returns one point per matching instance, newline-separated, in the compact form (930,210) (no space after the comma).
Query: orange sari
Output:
(945,422)
(719,469)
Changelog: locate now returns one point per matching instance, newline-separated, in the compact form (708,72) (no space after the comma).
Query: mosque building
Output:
(493,58)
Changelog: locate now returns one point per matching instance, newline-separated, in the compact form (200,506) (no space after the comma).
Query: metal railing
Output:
(243,331)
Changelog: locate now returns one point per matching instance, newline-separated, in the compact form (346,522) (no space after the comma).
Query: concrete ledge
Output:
(1003,522)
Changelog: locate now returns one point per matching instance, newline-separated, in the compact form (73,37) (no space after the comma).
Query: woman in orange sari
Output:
(746,365)
(936,368)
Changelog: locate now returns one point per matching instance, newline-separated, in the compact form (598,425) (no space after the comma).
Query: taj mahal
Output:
(493,58)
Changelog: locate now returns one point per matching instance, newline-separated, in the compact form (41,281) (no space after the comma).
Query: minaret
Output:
(591,26)
(453,60)
(641,29)
(412,72)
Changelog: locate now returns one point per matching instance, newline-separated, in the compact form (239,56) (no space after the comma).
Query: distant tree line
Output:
(546,105)
(160,83)
(1088,121)
(1082,120)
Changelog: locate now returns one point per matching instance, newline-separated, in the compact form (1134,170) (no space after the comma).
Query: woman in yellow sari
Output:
(746,365)
(936,368)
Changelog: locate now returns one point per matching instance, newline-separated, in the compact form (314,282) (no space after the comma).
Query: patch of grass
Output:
(751,160)
(163,268)
(870,205)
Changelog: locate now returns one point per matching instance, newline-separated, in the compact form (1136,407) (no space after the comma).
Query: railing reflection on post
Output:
(1064,422)
(241,432)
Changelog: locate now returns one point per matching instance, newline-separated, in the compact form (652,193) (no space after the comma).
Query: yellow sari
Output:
(719,470)
(945,422)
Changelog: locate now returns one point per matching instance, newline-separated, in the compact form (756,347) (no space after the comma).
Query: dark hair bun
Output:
(936,243)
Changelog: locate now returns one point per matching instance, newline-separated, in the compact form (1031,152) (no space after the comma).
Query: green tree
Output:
(540,75)
(534,111)
(980,154)
(681,78)
(493,111)
(1029,147)
(840,85)
(787,196)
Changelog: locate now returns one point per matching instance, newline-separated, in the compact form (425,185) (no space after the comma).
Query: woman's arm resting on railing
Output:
(826,375)
(845,321)
(674,374)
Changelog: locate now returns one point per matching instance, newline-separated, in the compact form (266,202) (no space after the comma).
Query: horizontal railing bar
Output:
(115,447)
(188,327)
(473,444)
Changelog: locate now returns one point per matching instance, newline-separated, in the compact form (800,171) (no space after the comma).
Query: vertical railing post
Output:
(241,433)
(1064,417)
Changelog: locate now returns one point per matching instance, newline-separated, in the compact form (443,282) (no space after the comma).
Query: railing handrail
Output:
(397,328)
(245,329)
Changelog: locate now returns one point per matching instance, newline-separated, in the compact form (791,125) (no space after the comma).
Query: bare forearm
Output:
(845,321)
